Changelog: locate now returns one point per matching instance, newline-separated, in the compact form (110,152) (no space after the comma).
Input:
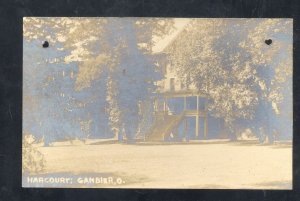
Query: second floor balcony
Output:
(174,103)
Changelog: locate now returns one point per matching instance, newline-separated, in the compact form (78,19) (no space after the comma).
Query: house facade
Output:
(181,112)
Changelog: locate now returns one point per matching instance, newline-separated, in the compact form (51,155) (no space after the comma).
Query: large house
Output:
(180,109)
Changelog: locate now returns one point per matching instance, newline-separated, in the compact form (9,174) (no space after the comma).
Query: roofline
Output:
(173,39)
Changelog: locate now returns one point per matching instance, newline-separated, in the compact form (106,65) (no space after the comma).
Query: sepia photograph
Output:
(157,103)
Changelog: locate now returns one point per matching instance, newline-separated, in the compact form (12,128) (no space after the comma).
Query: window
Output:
(172,84)
(182,86)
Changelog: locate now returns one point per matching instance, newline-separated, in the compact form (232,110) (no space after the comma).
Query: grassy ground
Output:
(206,165)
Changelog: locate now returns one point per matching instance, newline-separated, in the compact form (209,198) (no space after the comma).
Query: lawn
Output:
(221,165)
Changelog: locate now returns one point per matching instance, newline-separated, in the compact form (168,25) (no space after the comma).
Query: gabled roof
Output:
(174,38)
(182,32)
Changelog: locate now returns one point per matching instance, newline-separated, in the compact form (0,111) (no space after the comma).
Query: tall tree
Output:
(270,47)
(227,59)
(114,50)
(57,93)
(132,71)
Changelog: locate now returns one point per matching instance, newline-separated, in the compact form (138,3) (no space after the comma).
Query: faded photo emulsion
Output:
(177,103)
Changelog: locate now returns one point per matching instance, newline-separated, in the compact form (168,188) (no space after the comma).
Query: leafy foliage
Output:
(32,160)
(115,53)
(244,78)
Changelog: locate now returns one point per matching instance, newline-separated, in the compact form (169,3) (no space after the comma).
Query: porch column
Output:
(205,126)
(166,103)
(197,104)
(185,130)
(197,119)
(197,126)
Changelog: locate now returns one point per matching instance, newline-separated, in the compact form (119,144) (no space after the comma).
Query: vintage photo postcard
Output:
(177,103)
